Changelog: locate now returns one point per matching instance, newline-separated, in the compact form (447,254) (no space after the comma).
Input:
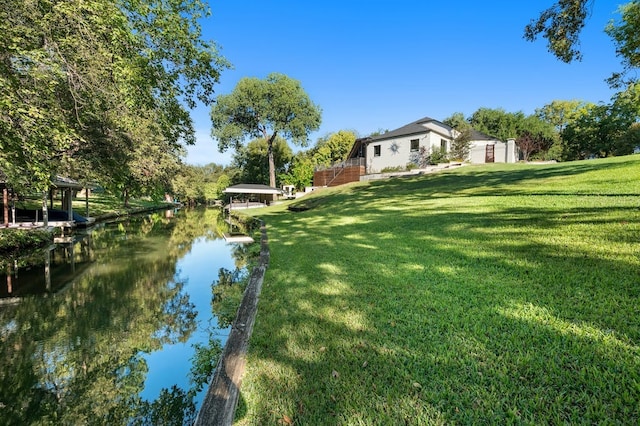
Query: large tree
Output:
(275,106)
(560,113)
(84,82)
(605,129)
(497,122)
(252,162)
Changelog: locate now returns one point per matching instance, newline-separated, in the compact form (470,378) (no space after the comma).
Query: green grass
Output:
(100,204)
(20,241)
(483,295)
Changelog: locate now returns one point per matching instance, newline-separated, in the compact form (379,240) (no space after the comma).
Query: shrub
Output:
(392,169)
(439,156)
(421,158)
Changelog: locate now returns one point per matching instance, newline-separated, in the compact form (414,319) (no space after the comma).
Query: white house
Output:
(399,147)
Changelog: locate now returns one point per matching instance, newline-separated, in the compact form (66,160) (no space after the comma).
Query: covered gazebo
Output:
(63,217)
(67,187)
(255,195)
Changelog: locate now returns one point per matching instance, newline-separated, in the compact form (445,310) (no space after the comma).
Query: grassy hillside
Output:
(484,295)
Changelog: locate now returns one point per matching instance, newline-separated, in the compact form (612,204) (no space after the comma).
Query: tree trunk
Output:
(272,164)
(5,202)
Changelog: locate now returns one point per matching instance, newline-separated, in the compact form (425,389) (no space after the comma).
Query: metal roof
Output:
(65,182)
(252,188)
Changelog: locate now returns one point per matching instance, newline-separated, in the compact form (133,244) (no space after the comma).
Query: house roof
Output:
(415,127)
(479,136)
(252,188)
(58,182)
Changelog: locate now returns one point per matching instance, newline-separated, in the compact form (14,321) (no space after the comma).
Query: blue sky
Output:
(380,64)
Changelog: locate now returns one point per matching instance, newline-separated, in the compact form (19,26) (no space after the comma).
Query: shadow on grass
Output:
(474,181)
(384,312)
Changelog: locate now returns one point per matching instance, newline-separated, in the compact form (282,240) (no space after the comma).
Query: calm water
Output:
(120,325)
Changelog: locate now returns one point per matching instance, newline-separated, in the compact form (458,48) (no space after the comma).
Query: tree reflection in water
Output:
(77,356)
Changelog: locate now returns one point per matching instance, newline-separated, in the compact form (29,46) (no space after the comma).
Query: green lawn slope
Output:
(484,295)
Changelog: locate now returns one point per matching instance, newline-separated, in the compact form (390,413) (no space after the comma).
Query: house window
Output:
(376,150)
(415,145)
(443,145)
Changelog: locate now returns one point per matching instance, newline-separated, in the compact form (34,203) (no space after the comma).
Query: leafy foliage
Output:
(438,155)
(95,89)
(333,148)
(256,108)
(199,184)
(300,171)
(625,36)
(497,122)
(227,294)
(421,158)
(561,25)
(606,130)
(204,363)
(560,113)
(252,160)
(531,134)
(461,144)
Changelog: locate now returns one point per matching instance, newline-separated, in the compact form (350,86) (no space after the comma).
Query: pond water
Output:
(122,324)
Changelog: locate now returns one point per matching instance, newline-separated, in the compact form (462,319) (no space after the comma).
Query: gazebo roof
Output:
(252,188)
(65,182)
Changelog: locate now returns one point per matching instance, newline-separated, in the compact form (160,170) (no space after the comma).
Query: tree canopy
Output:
(604,129)
(333,148)
(561,113)
(92,88)
(251,162)
(277,105)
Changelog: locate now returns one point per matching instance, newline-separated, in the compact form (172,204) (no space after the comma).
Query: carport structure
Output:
(255,195)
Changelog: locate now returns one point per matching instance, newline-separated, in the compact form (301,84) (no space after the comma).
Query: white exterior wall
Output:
(513,154)
(431,140)
(388,157)
(477,152)
(502,152)
(402,156)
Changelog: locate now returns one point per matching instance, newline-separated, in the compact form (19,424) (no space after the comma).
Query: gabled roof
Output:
(477,135)
(411,129)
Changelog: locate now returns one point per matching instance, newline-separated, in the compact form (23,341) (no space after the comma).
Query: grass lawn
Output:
(484,295)
(100,203)
(15,240)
